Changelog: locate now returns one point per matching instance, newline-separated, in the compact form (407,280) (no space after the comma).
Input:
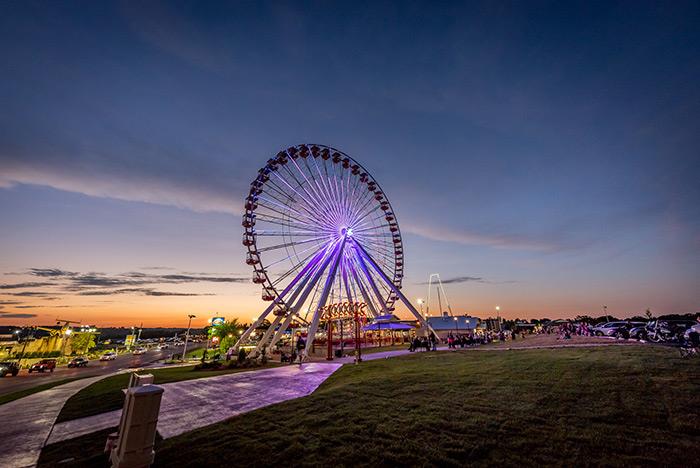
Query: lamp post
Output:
(187,336)
(498,316)
(457,323)
(420,303)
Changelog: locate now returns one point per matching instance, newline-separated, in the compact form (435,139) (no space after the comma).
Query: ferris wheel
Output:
(319,230)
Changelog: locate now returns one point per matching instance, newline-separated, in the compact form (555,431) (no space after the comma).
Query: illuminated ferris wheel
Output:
(319,230)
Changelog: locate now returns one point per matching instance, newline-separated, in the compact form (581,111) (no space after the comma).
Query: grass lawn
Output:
(107,395)
(28,391)
(631,405)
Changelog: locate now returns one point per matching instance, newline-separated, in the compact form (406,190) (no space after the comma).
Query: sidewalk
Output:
(192,404)
(27,422)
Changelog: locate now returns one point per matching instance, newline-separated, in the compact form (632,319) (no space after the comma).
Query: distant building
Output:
(457,324)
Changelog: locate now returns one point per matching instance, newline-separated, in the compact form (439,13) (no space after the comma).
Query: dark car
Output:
(78,362)
(43,366)
(639,332)
(667,330)
(8,367)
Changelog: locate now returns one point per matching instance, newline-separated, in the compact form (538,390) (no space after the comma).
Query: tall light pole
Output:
(498,316)
(420,303)
(187,336)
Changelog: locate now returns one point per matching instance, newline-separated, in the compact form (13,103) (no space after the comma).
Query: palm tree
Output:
(228,333)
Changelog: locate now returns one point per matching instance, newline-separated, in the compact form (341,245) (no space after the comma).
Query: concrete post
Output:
(137,429)
(136,380)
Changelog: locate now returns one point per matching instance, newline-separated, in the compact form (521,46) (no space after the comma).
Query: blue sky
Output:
(549,148)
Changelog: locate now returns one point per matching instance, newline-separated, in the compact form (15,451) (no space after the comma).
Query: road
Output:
(25,380)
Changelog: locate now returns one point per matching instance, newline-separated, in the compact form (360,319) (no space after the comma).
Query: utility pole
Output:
(187,336)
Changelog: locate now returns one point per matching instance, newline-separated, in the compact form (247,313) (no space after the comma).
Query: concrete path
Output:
(192,404)
(25,424)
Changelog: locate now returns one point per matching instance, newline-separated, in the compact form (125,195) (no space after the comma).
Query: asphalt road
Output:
(26,380)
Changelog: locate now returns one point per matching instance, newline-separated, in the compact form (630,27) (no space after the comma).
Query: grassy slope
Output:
(107,395)
(614,406)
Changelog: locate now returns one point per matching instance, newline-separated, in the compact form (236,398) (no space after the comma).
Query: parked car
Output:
(608,328)
(109,356)
(163,346)
(78,362)
(667,330)
(43,366)
(639,332)
(9,367)
(138,351)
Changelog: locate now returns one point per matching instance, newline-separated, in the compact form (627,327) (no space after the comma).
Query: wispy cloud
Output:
(16,316)
(469,279)
(31,294)
(51,272)
(40,306)
(139,291)
(24,285)
(460,236)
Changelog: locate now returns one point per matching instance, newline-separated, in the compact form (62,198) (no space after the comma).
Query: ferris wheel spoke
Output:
(326,183)
(381,219)
(283,233)
(296,267)
(270,218)
(323,196)
(289,244)
(366,214)
(324,199)
(316,207)
(263,205)
(372,284)
(285,224)
(353,200)
(313,247)
(307,205)
(281,204)
(308,182)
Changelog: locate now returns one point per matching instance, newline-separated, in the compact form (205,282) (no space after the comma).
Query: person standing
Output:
(301,346)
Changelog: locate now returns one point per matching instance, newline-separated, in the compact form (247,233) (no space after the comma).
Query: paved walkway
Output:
(25,424)
(192,404)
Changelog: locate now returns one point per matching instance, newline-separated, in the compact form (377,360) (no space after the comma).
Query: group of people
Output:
(423,343)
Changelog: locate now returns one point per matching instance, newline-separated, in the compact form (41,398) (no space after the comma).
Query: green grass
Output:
(29,391)
(107,395)
(636,405)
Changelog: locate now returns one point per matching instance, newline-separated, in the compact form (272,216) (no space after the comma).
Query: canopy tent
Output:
(387,326)
(386,318)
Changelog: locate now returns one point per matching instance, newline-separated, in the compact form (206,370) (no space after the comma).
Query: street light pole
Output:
(187,336)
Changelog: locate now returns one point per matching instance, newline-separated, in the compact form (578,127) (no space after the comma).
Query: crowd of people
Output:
(423,343)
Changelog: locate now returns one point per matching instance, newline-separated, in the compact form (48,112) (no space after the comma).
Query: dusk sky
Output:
(540,156)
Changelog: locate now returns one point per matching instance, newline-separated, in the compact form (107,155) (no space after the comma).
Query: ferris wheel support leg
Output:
(309,267)
(266,336)
(278,318)
(372,284)
(281,330)
(324,296)
(368,301)
(393,287)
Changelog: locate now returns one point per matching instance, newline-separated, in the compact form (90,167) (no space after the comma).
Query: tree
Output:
(228,333)
(82,342)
